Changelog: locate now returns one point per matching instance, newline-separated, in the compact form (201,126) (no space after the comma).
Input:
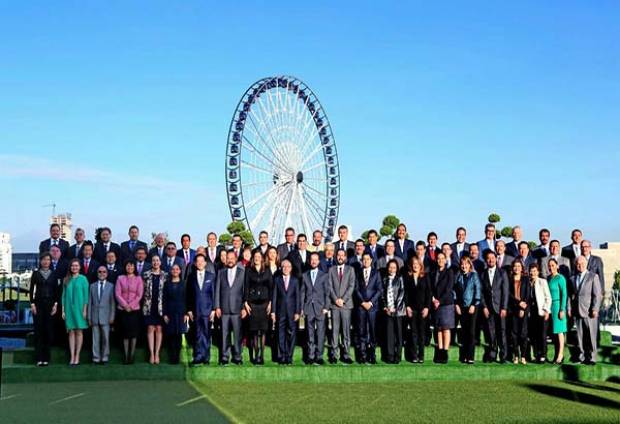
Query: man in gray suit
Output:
(314,305)
(288,246)
(101,310)
(341,286)
(595,263)
(229,307)
(584,306)
(563,263)
(390,253)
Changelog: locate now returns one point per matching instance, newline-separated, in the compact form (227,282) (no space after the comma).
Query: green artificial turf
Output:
(425,402)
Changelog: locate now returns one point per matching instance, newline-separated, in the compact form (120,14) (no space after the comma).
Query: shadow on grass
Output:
(571,376)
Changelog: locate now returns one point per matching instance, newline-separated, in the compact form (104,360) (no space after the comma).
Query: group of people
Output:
(347,295)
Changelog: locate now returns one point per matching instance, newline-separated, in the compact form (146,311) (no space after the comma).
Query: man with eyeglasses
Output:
(171,258)
(75,251)
(101,311)
(288,246)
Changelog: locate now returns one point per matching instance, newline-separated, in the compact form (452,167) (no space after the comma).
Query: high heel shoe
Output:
(559,361)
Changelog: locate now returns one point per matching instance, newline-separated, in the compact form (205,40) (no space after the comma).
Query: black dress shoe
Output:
(319,361)
(237,362)
(347,361)
(372,361)
(333,360)
(223,363)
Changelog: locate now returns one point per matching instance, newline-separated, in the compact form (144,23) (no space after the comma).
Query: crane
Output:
(51,205)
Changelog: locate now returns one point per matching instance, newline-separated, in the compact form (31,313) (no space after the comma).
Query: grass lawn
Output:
(456,401)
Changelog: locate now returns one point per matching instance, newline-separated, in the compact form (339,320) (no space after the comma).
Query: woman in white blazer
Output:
(540,307)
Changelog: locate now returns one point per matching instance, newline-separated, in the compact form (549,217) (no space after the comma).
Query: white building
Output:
(66,225)
(6,253)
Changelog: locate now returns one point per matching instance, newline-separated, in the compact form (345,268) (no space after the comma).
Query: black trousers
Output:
(518,335)
(287,333)
(174,348)
(393,338)
(538,335)
(417,336)
(468,335)
(367,322)
(43,330)
(495,335)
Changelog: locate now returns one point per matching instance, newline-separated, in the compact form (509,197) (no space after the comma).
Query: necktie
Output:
(200,279)
(55,243)
(131,244)
(86,263)
(77,250)
(54,263)
(286,283)
(110,267)
(100,289)
(169,262)
(432,253)
(366,276)
(340,273)
(290,247)
(140,268)
(186,257)
(313,275)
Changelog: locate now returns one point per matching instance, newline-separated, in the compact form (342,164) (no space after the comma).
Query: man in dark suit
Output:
(160,247)
(213,251)
(356,260)
(229,291)
(474,255)
(142,264)
(237,246)
(105,245)
(390,253)
(315,305)
(376,251)
(286,310)
(300,257)
(201,309)
(343,242)
(171,258)
(288,246)
(460,247)
(431,248)
(59,265)
(88,266)
(128,247)
(114,269)
(55,240)
(328,258)
(446,249)
(75,250)
(544,249)
(341,285)
(405,248)
(563,263)
(368,289)
(512,248)
(187,254)
(494,304)
(573,250)
(263,243)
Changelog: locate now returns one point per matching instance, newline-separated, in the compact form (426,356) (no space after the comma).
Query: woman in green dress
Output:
(557,288)
(74,308)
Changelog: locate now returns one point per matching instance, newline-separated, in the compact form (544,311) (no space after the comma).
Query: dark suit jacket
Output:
(428,256)
(368,293)
(465,252)
(179,261)
(494,297)
(258,249)
(525,294)
(230,299)
(568,252)
(419,296)
(407,251)
(379,252)
(113,273)
(512,249)
(192,288)
(442,285)
(595,265)
(299,266)
(155,251)
(61,269)
(286,303)
(44,246)
(91,275)
(315,298)
(127,253)
(192,255)
(325,265)
(100,253)
(71,253)
(348,246)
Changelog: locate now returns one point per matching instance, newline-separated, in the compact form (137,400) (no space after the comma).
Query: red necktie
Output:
(432,254)
(86,266)
(340,274)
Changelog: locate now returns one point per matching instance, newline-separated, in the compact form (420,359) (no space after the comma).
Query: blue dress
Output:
(174,307)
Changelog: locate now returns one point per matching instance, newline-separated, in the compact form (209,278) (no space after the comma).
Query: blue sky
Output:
(119,111)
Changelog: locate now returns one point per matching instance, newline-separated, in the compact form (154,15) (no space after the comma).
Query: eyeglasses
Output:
(102,272)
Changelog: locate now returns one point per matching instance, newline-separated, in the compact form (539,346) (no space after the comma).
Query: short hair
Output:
(461,228)
(317,231)
(237,236)
(576,230)
(80,229)
(286,260)
(140,248)
(359,240)
(524,243)
(532,266)
(373,232)
(390,241)
(87,243)
(315,254)
(263,233)
(301,235)
(401,225)
(54,225)
(431,234)
(420,243)
(498,242)
(554,241)
(366,254)
(343,227)
(289,229)
(186,235)
(489,225)
(489,252)
(134,227)
(446,244)
(200,255)
(211,232)
(105,229)
(171,243)
(542,231)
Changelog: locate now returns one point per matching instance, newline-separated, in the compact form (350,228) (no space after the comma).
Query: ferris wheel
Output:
(281,161)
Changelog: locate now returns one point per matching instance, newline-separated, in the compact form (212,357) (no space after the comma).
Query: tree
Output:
(494,218)
(225,239)
(237,228)
(532,245)
(364,236)
(391,221)
(506,232)
(386,231)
